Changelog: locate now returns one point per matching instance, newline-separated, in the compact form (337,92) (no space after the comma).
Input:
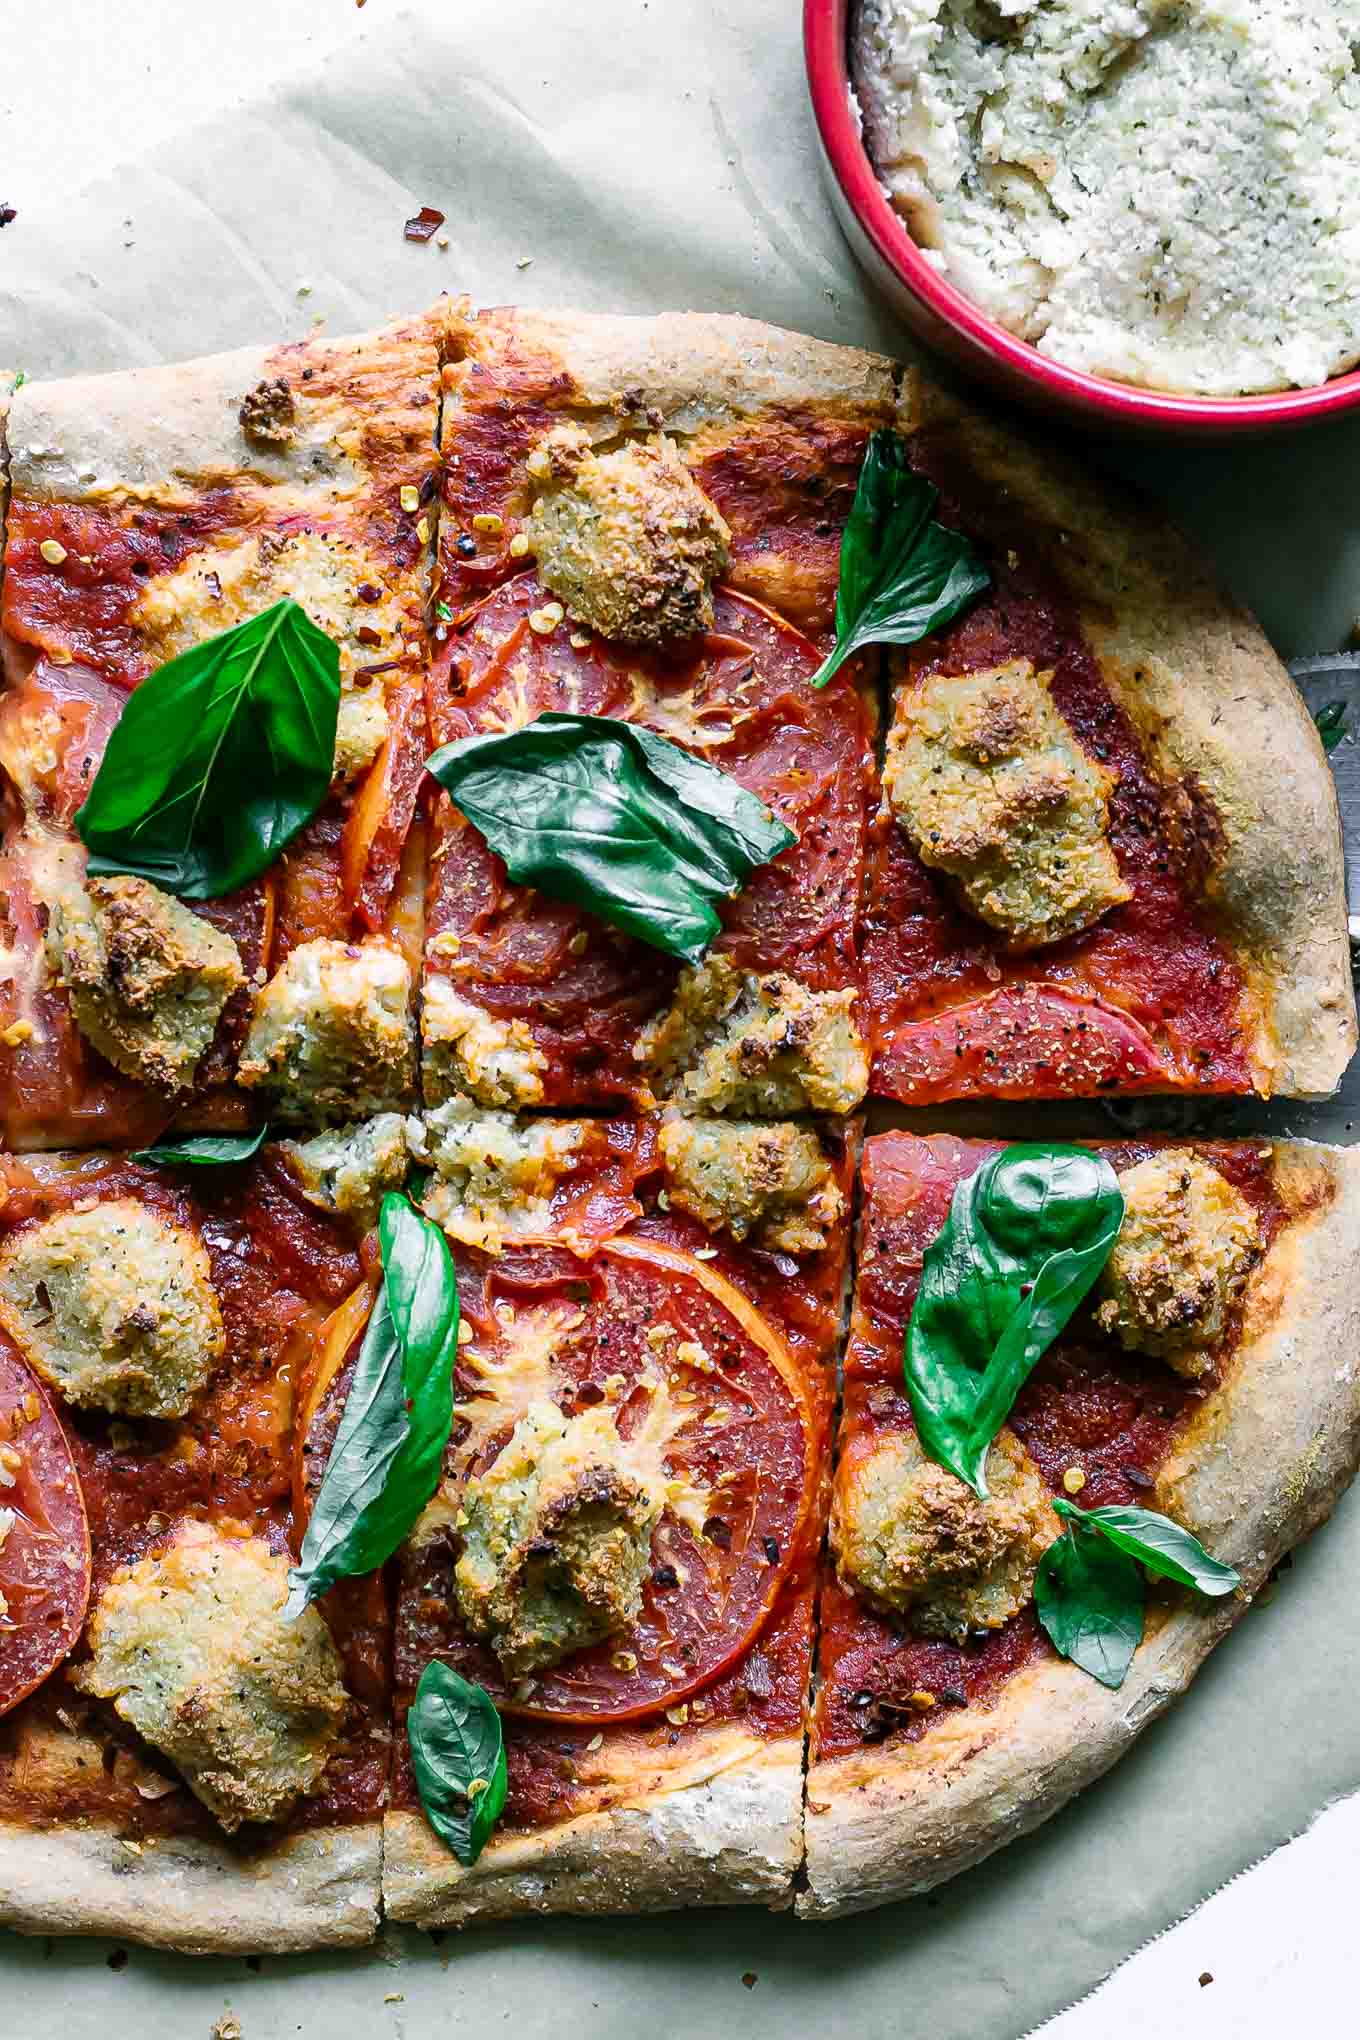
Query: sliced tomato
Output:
(1020,1042)
(682,1359)
(44,1537)
(321,1395)
(380,816)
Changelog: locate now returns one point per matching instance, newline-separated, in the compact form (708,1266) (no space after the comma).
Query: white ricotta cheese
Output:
(1162,191)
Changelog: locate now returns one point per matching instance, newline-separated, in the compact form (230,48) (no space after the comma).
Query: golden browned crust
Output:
(1260,1467)
(1219,718)
(203,1897)
(166,434)
(727,1830)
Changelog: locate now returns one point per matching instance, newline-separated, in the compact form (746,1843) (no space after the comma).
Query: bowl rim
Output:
(825,39)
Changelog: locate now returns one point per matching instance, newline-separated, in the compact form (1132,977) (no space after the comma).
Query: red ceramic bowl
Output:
(945,319)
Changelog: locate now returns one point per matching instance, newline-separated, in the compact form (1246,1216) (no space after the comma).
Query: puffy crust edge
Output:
(194,1894)
(169,431)
(731,1836)
(691,367)
(1213,706)
(1285,1431)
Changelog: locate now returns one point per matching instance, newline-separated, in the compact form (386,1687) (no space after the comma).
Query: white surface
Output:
(726,212)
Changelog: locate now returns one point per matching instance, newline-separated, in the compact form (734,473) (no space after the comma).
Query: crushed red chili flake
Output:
(425,225)
(7,213)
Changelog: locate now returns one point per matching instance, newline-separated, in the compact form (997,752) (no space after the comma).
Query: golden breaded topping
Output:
(494,1175)
(470,1053)
(989,783)
(627,539)
(763,1046)
(556,1540)
(1188,1242)
(331,1039)
(910,1536)
(191,1647)
(147,978)
(771,1181)
(350,1170)
(114,1306)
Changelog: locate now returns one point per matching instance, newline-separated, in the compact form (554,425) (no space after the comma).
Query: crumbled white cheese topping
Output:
(1163,191)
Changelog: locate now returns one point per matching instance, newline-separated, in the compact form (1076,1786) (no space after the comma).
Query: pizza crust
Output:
(200,1896)
(1283,1432)
(1217,715)
(729,1834)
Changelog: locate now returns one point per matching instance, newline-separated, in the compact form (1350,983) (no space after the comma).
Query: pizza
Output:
(500,820)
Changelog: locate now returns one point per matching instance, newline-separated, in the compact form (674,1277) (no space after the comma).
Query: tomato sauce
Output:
(1150,998)
(278,1266)
(1086,1403)
(738,698)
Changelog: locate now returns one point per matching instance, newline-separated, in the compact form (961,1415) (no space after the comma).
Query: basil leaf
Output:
(458,1756)
(1333,723)
(1158,1543)
(219,758)
(614,819)
(902,574)
(199,1150)
(389,1445)
(1089,1596)
(1027,1235)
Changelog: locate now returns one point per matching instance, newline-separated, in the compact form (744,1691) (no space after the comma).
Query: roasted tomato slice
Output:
(44,1537)
(321,1397)
(705,1395)
(380,816)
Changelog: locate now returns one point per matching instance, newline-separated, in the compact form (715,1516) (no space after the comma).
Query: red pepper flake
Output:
(367,635)
(7,213)
(425,225)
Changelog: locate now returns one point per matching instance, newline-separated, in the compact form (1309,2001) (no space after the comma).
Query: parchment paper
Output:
(614,153)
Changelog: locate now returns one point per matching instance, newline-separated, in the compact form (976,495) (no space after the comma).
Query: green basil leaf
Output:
(1333,723)
(389,1446)
(1089,1597)
(458,1756)
(200,1150)
(1157,1543)
(615,819)
(1027,1235)
(218,758)
(902,574)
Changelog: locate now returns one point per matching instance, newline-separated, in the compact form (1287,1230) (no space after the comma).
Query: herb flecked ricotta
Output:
(1162,191)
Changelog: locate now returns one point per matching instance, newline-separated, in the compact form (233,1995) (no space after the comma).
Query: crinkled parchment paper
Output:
(615,153)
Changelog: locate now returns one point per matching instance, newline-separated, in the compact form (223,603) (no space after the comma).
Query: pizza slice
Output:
(156,519)
(1107,858)
(178,1762)
(622,1551)
(641,522)
(1193,1403)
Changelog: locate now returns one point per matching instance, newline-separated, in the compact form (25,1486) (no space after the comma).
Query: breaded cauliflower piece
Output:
(627,540)
(191,1647)
(114,1307)
(1188,1242)
(769,1181)
(759,1046)
(557,1538)
(911,1537)
(991,786)
(494,1175)
(147,978)
(331,1039)
(469,1053)
(350,1170)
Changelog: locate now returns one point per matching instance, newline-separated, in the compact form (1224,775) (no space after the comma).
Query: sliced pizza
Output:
(1107,856)
(621,1554)
(157,518)
(1065,1367)
(641,522)
(177,1760)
